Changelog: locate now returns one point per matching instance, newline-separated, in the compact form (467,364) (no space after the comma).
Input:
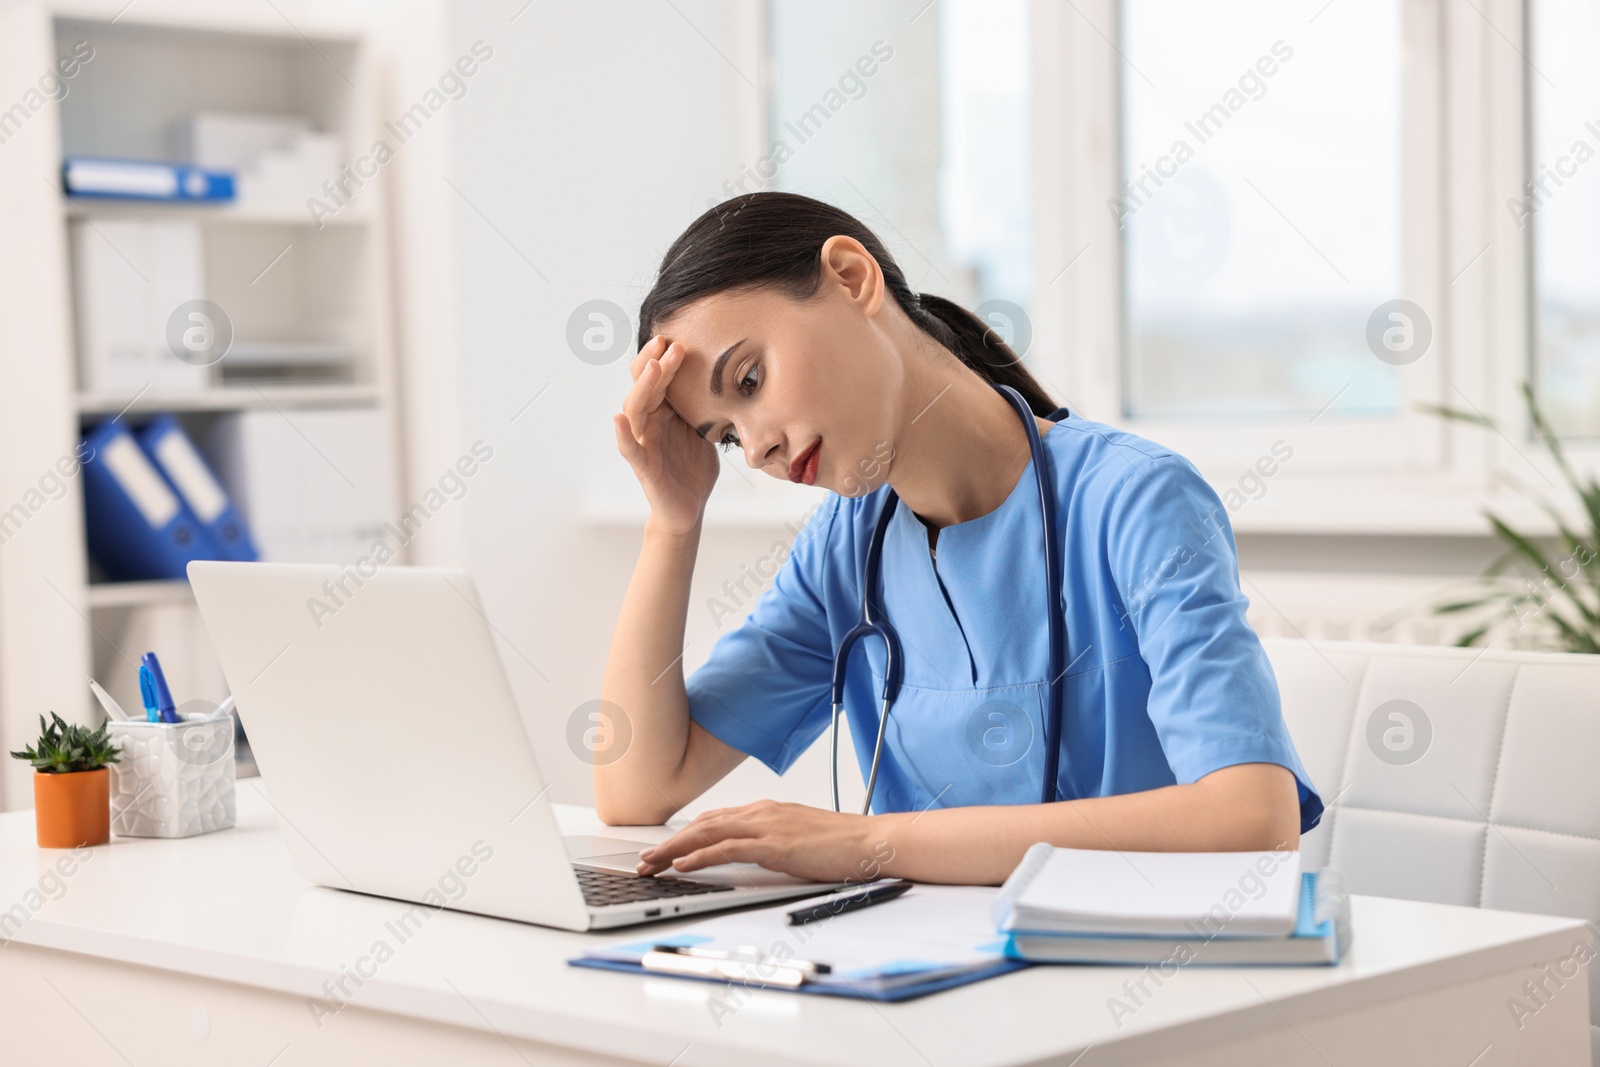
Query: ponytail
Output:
(774,240)
(977,345)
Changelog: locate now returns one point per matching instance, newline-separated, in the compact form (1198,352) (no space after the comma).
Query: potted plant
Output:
(71,783)
(1561,597)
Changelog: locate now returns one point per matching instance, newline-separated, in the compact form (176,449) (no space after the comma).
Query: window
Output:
(985,172)
(913,116)
(1560,209)
(1261,207)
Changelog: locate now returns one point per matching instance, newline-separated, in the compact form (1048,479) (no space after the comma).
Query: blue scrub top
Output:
(1166,681)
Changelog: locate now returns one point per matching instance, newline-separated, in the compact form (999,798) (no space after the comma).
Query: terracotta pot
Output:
(72,809)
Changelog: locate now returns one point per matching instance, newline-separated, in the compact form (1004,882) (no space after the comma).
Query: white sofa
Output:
(1498,808)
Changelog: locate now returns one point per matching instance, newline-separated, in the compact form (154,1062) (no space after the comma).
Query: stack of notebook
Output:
(1064,905)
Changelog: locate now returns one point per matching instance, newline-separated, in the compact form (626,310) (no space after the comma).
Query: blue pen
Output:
(147,694)
(169,711)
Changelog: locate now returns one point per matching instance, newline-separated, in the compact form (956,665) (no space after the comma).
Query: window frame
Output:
(1466,150)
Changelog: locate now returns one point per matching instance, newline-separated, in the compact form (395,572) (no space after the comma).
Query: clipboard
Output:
(932,938)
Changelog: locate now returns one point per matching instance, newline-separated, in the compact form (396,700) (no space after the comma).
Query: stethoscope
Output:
(873,621)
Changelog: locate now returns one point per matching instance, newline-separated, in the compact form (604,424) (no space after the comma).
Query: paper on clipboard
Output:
(929,931)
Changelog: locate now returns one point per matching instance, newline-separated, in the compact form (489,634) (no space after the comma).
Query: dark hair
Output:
(774,240)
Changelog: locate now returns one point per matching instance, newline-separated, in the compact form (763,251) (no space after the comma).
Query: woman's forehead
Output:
(711,323)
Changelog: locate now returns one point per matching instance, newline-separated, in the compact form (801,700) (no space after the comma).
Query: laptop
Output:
(390,746)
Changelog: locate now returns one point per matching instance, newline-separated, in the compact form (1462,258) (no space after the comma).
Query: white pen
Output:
(108,702)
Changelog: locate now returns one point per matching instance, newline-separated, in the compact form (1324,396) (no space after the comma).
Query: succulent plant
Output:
(64,748)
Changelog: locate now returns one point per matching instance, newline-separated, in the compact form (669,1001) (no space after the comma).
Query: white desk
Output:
(208,950)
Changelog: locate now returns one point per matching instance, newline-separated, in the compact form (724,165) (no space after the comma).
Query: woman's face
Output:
(793,375)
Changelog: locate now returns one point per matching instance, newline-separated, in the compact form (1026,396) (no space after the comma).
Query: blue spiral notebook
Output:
(931,938)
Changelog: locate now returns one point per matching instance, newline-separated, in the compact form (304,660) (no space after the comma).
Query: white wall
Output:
(589,141)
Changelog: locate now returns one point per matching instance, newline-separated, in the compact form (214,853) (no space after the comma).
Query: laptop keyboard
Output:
(611,887)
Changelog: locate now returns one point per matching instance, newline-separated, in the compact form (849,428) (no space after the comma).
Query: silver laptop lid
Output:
(387,735)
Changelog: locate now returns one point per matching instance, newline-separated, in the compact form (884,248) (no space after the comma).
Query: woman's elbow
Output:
(1277,827)
(1262,801)
(632,811)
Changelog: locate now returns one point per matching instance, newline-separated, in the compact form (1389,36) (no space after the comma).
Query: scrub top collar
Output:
(952,537)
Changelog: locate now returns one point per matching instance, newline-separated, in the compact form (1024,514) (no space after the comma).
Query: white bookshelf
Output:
(104,595)
(336,285)
(233,398)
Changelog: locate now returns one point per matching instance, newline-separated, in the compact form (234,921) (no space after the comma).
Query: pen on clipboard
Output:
(877,894)
(744,964)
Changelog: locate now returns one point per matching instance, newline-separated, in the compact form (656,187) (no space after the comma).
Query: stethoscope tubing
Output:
(875,622)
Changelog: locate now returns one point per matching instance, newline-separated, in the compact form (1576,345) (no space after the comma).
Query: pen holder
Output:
(174,779)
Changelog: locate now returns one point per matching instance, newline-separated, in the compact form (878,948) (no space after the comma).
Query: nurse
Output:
(780,326)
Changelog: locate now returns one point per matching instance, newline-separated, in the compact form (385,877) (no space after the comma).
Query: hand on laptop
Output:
(796,839)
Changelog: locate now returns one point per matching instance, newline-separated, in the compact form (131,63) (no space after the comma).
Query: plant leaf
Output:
(1459,415)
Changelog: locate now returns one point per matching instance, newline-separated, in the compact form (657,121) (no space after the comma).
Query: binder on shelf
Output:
(327,502)
(132,179)
(277,160)
(175,455)
(129,277)
(137,527)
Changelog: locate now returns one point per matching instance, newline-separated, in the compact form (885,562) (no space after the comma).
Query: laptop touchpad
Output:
(610,852)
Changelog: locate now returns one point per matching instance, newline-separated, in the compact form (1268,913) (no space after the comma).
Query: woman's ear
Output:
(848,265)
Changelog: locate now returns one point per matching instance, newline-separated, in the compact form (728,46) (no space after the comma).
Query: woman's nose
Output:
(761,447)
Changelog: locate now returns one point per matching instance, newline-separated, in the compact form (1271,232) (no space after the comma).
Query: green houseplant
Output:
(1560,597)
(71,783)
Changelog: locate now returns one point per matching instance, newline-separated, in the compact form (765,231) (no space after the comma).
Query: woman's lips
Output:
(804,467)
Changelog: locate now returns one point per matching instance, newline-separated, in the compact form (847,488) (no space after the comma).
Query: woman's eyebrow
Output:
(716,368)
(716,379)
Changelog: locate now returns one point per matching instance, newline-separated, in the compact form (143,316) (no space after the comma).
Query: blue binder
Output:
(136,179)
(176,457)
(137,526)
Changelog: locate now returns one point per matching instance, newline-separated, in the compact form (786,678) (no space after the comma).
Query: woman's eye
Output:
(747,385)
(751,373)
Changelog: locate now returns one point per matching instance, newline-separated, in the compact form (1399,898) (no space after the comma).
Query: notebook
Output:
(1167,894)
(1321,935)
(930,938)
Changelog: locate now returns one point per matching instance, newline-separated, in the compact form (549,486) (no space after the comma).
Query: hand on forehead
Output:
(702,331)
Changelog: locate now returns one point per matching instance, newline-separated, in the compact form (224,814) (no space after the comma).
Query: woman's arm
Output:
(1245,807)
(669,760)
